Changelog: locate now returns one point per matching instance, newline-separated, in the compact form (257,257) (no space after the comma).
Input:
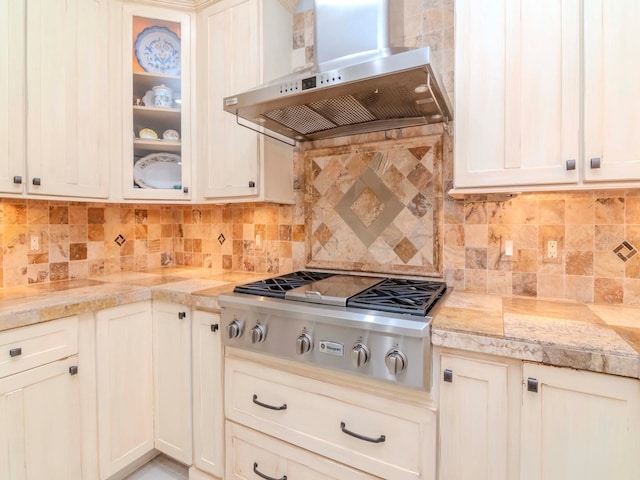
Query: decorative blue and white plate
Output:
(158,50)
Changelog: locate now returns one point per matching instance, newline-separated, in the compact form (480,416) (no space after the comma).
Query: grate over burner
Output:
(277,286)
(415,297)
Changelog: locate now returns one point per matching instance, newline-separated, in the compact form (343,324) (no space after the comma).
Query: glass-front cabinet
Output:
(156,91)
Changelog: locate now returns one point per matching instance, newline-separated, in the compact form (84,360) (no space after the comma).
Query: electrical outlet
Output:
(35,242)
(552,249)
(508,248)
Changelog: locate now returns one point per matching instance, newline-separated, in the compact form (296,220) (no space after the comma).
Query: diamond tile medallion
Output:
(376,207)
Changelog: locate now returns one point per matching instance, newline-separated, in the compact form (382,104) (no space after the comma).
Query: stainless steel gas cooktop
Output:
(366,325)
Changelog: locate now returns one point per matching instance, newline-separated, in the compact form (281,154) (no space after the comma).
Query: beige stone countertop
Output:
(600,338)
(21,306)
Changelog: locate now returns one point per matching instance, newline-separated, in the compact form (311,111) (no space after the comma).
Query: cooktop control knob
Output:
(303,344)
(396,361)
(359,355)
(258,334)
(234,329)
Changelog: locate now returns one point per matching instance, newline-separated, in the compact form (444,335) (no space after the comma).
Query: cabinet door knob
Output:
(532,385)
(595,163)
(182,315)
(252,184)
(215,327)
(185,189)
(448,376)
(14,352)
(36,180)
(17,179)
(73,370)
(571,164)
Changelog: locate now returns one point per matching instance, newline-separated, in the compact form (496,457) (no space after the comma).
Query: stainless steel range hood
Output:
(359,83)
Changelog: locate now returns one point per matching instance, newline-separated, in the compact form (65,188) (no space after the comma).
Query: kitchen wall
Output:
(598,233)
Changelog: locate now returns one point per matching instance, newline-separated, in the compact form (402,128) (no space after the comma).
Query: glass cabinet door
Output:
(156,117)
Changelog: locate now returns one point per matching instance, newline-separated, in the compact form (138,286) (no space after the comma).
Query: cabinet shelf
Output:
(142,145)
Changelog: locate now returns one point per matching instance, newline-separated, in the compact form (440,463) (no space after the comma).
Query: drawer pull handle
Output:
(265,405)
(266,477)
(380,439)
(14,352)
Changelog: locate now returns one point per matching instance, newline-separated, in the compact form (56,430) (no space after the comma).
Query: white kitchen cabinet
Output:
(383,437)
(67,89)
(12,96)
(612,92)
(157,52)
(124,385)
(579,425)
(241,43)
(208,410)
(546,97)
(478,414)
(39,401)
(517,93)
(54,90)
(252,455)
(39,425)
(172,380)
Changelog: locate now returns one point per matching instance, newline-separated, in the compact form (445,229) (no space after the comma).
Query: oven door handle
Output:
(380,439)
(262,475)
(265,405)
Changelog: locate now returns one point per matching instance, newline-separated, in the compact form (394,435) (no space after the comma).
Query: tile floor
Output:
(160,468)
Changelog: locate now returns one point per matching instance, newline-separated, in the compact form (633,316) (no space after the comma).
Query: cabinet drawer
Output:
(251,454)
(385,438)
(27,347)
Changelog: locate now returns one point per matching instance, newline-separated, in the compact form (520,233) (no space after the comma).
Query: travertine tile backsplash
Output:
(598,235)
(81,240)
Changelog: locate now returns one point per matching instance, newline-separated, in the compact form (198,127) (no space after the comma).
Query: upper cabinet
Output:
(516,92)
(157,104)
(54,84)
(12,96)
(544,97)
(241,44)
(612,90)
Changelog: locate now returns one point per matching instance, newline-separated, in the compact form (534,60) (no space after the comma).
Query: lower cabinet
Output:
(579,425)
(39,424)
(378,435)
(40,433)
(252,455)
(479,409)
(208,410)
(124,386)
(172,380)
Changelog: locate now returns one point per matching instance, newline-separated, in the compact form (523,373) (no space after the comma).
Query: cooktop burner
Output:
(276,287)
(398,295)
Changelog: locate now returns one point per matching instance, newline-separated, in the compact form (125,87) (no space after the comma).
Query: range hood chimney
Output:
(358,84)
